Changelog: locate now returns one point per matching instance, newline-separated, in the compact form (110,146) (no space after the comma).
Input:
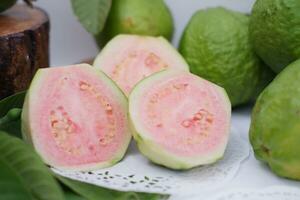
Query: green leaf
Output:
(12,128)
(22,174)
(92,14)
(72,196)
(92,192)
(14,101)
(10,121)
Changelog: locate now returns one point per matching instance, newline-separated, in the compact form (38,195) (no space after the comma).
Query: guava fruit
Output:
(275,124)
(139,17)
(127,59)
(180,120)
(274,31)
(6,4)
(76,118)
(217,47)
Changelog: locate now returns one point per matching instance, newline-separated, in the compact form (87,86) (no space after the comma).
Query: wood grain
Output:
(24,47)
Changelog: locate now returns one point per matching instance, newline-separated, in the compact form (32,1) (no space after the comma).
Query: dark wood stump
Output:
(24,47)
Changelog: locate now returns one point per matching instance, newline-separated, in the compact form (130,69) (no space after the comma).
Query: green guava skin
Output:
(139,17)
(275,31)
(217,47)
(275,124)
(6,4)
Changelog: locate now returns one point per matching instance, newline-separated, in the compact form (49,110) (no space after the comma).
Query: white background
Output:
(70,43)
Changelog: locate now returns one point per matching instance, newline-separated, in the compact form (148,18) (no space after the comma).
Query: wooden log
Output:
(24,47)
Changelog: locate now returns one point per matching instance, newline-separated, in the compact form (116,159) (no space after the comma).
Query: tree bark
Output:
(24,47)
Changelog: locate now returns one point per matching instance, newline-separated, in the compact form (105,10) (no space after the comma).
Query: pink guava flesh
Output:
(127,59)
(77,119)
(182,114)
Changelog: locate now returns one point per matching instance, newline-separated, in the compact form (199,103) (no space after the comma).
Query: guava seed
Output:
(83,85)
(186,123)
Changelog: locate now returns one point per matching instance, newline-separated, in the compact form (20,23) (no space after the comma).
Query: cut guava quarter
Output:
(127,59)
(181,120)
(76,118)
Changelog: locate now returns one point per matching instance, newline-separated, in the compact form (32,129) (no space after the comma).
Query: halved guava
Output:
(180,120)
(76,118)
(127,59)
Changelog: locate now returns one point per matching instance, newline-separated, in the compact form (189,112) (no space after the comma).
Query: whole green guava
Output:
(6,4)
(139,17)
(275,31)
(275,124)
(217,47)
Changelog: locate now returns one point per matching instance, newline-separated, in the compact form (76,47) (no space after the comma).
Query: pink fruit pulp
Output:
(129,59)
(76,118)
(185,115)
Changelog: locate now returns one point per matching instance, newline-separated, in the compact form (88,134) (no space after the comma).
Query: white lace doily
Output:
(269,193)
(136,173)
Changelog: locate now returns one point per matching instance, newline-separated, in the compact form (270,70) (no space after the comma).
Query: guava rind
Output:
(153,151)
(275,123)
(137,17)
(6,4)
(31,100)
(217,47)
(275,31)
(118,45)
